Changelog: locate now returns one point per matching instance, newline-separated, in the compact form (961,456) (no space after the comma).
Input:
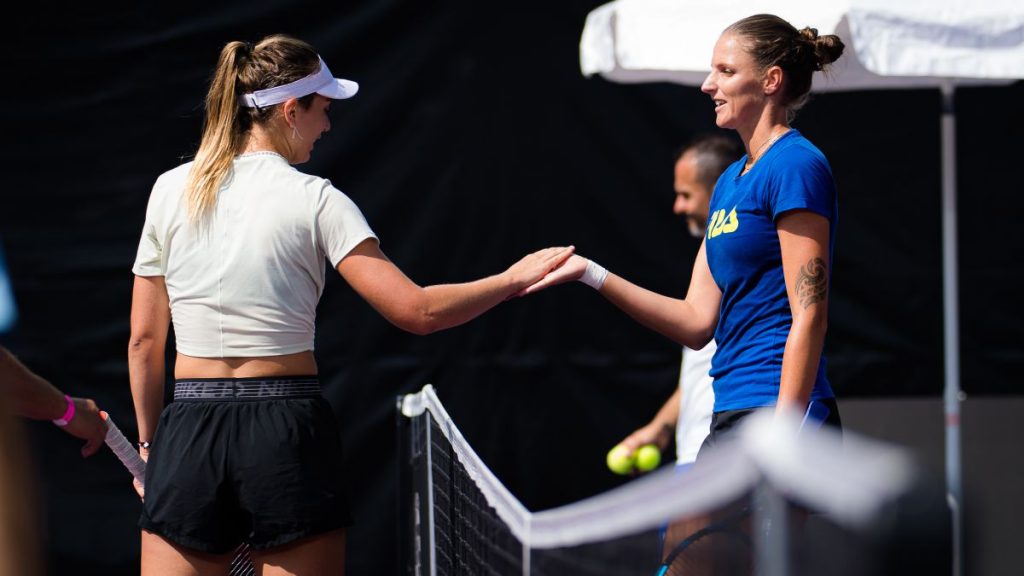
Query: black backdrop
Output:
(474,139)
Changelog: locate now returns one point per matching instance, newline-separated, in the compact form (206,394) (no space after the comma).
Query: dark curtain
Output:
(474,140)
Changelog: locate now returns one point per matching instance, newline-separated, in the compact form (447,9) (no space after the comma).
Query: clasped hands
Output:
(564,266)
(573,268)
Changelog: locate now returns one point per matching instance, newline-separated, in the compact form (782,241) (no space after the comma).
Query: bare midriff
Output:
(297,364)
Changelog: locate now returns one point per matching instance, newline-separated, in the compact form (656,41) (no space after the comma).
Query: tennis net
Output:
(774,502)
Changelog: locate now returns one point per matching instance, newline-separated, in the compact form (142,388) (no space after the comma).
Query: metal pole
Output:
(431,524)
(527,569)
(952,395)
(771,531)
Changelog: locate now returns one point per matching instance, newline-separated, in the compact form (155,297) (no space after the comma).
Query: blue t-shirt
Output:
(7,310)
(745,258)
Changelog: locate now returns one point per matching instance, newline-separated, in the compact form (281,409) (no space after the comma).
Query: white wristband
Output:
(594,276)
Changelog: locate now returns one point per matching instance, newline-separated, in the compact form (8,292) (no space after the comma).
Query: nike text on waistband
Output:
(247,389)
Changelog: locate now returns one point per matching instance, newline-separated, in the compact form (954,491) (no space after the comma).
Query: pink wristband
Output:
(68,414)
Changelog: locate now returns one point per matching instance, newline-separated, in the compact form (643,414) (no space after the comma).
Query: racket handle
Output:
(241,565)
(124,450)
(816,414)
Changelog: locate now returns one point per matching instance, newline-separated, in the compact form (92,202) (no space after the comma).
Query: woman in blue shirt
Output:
(760,282)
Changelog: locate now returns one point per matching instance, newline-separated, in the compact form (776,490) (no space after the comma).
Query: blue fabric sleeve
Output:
(805,183)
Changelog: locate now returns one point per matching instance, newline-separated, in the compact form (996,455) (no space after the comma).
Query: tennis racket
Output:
(729,534)
(816,414)
(241,564)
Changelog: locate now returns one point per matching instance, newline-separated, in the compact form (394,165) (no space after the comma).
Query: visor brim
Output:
(340,89)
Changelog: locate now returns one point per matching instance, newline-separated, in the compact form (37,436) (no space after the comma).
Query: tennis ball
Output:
(620,460)
(648,457)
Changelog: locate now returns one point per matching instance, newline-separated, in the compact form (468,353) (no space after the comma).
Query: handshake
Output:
(553,266)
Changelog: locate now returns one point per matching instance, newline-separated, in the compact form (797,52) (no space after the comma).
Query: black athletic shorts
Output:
(252,460)
(725,422)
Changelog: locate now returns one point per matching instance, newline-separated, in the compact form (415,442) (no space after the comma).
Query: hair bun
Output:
(809,34)
(827,48)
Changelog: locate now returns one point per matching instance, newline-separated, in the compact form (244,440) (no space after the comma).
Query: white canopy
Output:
(905,44)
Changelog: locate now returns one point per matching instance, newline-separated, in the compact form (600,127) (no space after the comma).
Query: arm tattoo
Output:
(811,283)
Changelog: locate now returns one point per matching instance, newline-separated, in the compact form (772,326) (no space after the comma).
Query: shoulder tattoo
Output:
(812,282)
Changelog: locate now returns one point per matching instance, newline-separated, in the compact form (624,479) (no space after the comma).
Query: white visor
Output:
(322,82)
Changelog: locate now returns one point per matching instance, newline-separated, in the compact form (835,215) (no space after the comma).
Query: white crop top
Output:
(247,281)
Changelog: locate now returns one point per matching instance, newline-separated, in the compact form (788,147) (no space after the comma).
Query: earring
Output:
(295,133)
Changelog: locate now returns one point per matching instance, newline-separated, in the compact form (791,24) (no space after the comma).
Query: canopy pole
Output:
(952,395)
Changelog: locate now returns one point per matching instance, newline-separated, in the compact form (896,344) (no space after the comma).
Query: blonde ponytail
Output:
(223,136)
(277,59)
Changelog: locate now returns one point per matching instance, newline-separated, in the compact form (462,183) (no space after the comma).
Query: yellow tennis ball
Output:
(648,457)
(620,460)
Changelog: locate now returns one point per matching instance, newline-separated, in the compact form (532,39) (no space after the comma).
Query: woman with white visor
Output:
(233,250)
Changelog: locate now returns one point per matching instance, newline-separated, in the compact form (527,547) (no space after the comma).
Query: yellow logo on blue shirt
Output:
(722,224)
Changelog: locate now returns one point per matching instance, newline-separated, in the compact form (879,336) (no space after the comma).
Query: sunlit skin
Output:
(746,99)
(693,196)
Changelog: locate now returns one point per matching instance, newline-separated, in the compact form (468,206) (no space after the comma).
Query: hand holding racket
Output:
(241,565)
(126,453)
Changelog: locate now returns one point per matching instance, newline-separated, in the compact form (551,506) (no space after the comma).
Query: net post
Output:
(431,525)
(771,531)
(526,551)
(416,516)
(407,520)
